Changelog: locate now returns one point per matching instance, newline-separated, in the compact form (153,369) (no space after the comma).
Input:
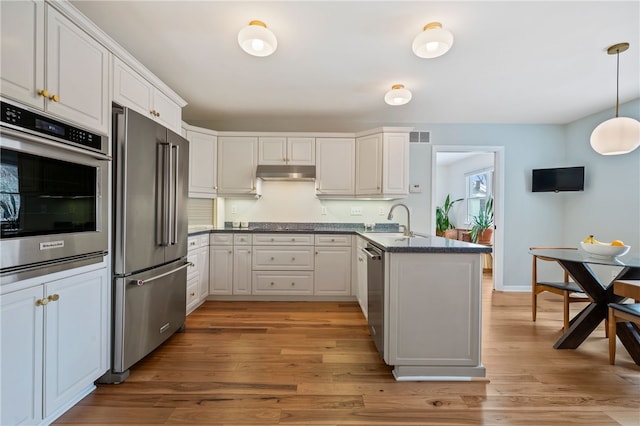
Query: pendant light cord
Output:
(617,79)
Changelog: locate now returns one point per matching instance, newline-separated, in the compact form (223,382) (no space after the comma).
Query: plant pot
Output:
(452,234)
(484,237)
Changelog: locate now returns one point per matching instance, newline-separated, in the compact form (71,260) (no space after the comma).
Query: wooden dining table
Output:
(579,266)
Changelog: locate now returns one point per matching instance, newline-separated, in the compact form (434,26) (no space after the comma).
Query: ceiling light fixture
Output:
(257,40)
(619,135)
(433,41)
(398,95)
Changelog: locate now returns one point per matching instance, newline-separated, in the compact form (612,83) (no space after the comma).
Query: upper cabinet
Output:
(51,64)
(382,165)
(237,163)
(275,150)
(132,90)
(335,167)
(203,180)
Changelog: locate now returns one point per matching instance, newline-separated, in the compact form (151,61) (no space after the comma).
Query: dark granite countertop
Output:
(379,236)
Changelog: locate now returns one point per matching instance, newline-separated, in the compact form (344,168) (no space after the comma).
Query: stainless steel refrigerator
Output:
(149,237)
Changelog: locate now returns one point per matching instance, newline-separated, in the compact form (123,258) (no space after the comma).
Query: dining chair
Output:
(620,312)
(570,291)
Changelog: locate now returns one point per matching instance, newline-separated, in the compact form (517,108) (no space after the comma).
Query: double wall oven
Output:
(53,194)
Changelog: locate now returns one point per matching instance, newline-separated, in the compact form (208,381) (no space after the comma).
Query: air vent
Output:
(419,137)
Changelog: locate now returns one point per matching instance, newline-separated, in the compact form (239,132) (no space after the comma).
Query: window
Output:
(479,190)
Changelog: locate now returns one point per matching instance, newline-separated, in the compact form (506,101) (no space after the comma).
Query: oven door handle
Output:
(7,131)
(148,280)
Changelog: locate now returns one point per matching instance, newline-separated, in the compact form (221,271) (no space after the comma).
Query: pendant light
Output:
(619,135)
(433,41)
(398,95)
(257,40)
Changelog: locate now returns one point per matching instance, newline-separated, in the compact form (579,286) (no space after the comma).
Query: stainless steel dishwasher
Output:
(375,294)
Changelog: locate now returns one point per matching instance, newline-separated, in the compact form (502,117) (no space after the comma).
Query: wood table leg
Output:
(629,335)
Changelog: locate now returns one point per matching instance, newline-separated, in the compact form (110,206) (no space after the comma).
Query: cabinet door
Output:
(332,271)
(202,165)
(237,162)
(301,151)
(335,165)
(203,273)
(220,269)
(76,336)
(167,112)
(272,150)
(369,165)
(242,270)
(361,273)
(78,73)
(130,89)
(21,356)
(396,164)
(22,51)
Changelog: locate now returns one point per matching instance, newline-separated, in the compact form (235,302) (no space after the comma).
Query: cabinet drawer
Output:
(221,239)
(192,271)
(192,291)
(192,243)
(283,239)
(242,239)
(333,240)
(287,258)
(203,240)
(283,283)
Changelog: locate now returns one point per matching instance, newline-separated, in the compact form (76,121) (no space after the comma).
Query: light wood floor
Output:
(269,363)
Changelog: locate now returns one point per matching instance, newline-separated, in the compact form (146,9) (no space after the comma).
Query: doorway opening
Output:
(451,168)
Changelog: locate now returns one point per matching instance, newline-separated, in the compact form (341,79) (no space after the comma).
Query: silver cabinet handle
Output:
(148,280)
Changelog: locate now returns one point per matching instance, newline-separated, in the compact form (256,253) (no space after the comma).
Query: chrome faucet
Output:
(407,229)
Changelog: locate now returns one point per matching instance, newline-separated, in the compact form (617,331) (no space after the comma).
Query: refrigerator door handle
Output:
(148,280)
(162,188)
(173,213)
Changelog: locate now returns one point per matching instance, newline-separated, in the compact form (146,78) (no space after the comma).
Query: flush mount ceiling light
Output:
(257,40)
(433,41)
(619,135)
(398,95)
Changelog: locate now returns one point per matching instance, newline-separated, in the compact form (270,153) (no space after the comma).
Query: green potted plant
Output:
(482,224)
(443,223)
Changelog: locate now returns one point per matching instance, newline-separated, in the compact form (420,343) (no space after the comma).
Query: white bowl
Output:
(603,250)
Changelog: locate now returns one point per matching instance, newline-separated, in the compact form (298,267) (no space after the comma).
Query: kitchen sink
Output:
(394,235)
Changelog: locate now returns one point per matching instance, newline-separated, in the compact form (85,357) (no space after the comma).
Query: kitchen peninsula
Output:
(432,286)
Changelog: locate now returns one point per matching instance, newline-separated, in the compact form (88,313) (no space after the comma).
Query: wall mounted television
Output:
(557,179)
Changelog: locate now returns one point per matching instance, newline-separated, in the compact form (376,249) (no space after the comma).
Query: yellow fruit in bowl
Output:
(617,243)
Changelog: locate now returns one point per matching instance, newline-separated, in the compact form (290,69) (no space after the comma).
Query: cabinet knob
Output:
(293,239)
(192,294)
(272,258)
(54,98)
(272,239)
(42,302)
(272,283)
(53,297)
(293,284)
(333,240)
(44,92)
(230,251)
(293,259)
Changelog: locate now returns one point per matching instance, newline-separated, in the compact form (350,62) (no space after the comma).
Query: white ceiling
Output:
(511,62)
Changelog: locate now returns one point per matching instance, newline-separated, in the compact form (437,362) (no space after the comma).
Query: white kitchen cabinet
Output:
(221,264)
(335,167)
(361,275)
(198,274)
(54,345)
(382,165)
(237,163)
(274,150)
(332,275)
(203,181)
(49,63)
(242,249)
(283,283)
(132,90)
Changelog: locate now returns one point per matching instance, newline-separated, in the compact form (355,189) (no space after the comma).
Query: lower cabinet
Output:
(198,274)
(242,270)
(332,272)
(221,264)
(361,274)
(54,345)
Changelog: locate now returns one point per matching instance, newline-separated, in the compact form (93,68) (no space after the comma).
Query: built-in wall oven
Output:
(53,194)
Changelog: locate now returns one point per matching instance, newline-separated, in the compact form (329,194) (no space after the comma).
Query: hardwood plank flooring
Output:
(314,363)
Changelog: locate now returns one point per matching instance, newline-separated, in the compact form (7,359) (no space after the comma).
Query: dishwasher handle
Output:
(371,254)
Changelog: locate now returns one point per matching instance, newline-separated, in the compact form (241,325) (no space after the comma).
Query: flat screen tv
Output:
(558,179)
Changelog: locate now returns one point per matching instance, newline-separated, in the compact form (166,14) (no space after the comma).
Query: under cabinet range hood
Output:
(286,172)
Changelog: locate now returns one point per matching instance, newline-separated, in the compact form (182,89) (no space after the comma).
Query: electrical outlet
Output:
(234,209)
(381,211)
(356,211)
(323,210)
